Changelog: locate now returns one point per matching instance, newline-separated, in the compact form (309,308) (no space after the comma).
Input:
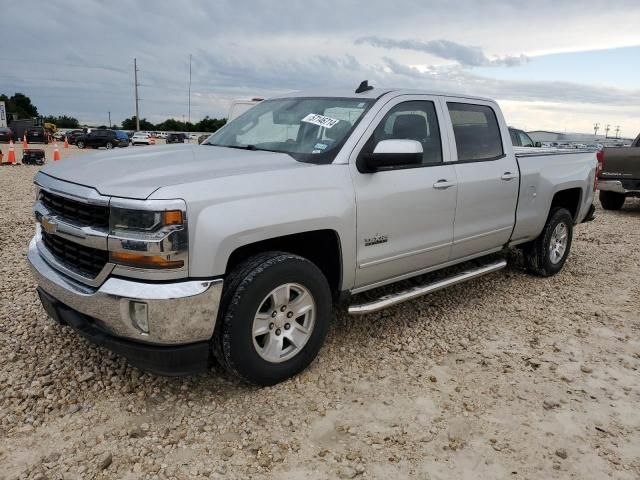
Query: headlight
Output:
(142,220)
(145,236)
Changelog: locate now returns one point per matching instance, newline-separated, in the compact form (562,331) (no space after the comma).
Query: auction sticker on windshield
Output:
(320,120)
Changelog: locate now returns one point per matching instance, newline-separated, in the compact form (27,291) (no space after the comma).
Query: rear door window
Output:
(476,131)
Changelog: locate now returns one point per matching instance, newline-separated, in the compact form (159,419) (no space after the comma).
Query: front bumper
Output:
(180,314)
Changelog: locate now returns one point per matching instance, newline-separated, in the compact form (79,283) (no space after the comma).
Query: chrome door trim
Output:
(480,235)
(401,255)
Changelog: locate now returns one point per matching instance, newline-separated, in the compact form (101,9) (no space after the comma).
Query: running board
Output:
(415,292)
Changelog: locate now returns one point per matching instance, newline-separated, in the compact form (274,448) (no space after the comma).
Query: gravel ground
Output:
(508,376)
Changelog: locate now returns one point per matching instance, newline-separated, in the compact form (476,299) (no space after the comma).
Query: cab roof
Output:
(374,93)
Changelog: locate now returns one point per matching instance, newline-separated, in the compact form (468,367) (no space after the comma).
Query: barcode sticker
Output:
(320,120)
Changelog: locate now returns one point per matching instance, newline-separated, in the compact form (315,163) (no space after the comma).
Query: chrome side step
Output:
(415,292)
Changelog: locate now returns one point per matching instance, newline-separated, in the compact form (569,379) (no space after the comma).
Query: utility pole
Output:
(135,82)
(606,131)
(109,119)
(617,130)
(596,127)
(189,116)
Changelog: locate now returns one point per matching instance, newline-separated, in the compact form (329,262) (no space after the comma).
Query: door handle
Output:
(508,176)
(443,184)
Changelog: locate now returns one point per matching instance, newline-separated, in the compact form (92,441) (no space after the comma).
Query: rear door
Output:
(405,213)
(91,139)
(487,174)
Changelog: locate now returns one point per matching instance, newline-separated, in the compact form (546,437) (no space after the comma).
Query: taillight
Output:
(600,158)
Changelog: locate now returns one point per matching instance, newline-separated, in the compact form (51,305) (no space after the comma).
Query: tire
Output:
(612,200)
(541,257)
(80,144)
(247,291)
(108,145)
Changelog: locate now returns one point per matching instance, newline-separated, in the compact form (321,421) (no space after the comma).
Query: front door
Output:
(405,213)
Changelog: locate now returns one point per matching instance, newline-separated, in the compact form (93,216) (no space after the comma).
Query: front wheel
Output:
(546,255)
(80,144)
(612,200)
(109,146)
(274,317)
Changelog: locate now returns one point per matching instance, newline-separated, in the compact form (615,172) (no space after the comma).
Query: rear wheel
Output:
(274,317)
(612,200)
(546,255)
(109,146)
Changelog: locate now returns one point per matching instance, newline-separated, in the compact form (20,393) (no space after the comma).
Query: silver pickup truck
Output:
(237,249)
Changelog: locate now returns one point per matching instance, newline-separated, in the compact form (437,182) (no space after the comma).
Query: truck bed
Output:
(543,172)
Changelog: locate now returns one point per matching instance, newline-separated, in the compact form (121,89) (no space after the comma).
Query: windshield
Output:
(309,129)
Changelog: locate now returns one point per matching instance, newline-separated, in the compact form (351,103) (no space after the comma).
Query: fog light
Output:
(138,312)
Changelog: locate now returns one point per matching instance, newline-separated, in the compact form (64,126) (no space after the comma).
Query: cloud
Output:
(250,48)
(461,80)
(467,56)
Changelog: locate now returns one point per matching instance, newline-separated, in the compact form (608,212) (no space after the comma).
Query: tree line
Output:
(19,106)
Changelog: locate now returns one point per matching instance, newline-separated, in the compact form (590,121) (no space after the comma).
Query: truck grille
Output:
(86,260)
(76,212)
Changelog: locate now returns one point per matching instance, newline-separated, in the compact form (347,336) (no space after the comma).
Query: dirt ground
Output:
(508,376)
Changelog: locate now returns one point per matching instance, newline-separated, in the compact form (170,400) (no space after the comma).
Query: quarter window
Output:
(476,132)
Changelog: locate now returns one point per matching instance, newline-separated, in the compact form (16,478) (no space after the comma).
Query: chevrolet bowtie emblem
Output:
(48,225)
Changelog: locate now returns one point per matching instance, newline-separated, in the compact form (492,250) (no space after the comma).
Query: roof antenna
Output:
(364,87)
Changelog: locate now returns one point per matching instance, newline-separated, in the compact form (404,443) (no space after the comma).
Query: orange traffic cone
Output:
(12,154)
(25,145)
(56,152)
(66,142)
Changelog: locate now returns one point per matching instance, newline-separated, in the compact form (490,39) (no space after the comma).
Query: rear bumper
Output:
(619,186)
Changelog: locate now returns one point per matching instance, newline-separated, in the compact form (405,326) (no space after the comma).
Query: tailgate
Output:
(621,163)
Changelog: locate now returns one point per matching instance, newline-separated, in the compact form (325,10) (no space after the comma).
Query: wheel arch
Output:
(569,198)
(322,247)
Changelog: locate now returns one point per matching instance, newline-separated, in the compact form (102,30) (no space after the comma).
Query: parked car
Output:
(273,238)
(176,138)
(193,136)
(6,134)
(519,138)
(73,135)
(59,135)
(619,176)
(98,138)
(37,135)
(141,138)
(123,138)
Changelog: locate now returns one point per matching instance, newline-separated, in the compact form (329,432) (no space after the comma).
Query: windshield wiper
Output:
(239,147)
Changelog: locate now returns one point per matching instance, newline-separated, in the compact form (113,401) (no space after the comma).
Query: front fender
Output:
(226,214)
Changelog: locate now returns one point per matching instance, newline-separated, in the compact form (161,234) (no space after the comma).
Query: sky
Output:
(552,64)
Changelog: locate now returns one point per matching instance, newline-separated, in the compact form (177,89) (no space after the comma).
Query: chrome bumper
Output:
(612,186)
(177,313)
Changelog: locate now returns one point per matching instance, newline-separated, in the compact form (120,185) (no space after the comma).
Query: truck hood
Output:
(136,172)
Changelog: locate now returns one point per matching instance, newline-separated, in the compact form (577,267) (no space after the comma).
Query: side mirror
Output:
(393,153)
(537,144)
